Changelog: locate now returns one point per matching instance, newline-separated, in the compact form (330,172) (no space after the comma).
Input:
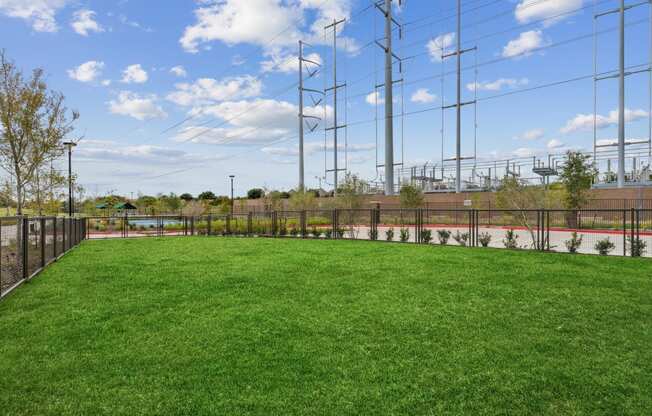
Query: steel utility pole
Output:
(389,91)
(301,166)
(458,135)
(335,88)
(459,104)
(621,74)
(70,145)
(621,100)
(389,103)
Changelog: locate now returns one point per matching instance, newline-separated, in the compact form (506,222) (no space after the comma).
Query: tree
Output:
(255,193)
(519,197)
(186,197)
(194,209)
(171,203)
(302,200)
(48,189)
(411,197)
(206,196)
(350,192)
(577,177)
(33,124)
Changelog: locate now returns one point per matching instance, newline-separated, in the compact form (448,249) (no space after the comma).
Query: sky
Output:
(176,98)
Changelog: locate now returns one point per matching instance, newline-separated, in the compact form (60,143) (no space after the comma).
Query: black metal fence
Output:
(626,232)
(28,245)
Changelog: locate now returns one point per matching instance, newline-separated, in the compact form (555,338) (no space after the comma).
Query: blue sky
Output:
(177,97)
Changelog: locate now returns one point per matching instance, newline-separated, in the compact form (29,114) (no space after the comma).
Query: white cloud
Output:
(179,71)
(531,10)
(374,99)
(534,134)
(249,122)
(254,21)
(525,152)
(423,96)
(585,121)
(87,72)
(39,13)
(105,150)
(554,144)
(84,22)
(497,85)
(440,46)
(134,74)
(207,91)
(136,106)
(524,44)
(286,63)
(106,82)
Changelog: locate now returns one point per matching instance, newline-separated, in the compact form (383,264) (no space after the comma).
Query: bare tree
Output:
(33,124)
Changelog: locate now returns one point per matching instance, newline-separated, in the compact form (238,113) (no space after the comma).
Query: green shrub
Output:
(462,239)
(340,232)
(443,236)
(404,235)
(389,234)
(605,246)
(328,233)
(373,234)
(294,232)
(484,239)
(574,243)
(511,239)
(636,246)
(426,236)
(316,232)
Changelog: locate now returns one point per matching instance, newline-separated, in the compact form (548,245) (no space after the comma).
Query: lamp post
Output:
(69,146)
(232,177)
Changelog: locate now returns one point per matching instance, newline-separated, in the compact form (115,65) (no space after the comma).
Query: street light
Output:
(232,177)
(70,145)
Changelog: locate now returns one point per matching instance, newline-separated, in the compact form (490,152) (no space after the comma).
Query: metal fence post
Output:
(228,224)
(24,244)
(419,226)
(192,226)
(548,230)
(632,231)
(304,230)
(249,224)
(54,233)
(42,242)
(208,225)
(624,232)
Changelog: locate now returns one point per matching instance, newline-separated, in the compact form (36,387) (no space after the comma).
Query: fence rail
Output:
(29,244)
(626,232)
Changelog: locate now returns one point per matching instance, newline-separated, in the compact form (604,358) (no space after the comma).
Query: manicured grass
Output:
(199,326)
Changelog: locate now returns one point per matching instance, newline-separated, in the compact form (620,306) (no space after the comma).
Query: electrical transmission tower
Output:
(459,104)
(389,91)
(302,115)
(620,74)
(336,126)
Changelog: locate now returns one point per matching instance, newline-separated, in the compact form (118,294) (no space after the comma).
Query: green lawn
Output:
(199,326)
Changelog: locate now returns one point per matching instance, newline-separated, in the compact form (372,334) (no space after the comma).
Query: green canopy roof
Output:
(125,205)
(101,206)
